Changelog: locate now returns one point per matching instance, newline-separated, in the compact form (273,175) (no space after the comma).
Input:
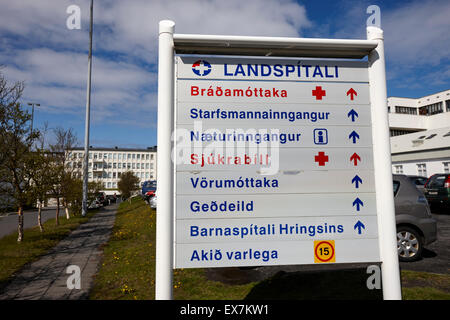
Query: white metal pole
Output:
(164,213)
(383,169)
(84,202)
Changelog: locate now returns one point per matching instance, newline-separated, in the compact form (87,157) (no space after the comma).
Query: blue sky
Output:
(37,47)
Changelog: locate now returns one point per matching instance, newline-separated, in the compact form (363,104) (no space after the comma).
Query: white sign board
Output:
(274,163)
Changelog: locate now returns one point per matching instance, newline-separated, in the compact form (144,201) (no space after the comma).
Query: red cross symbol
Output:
(318,93)
(321,158)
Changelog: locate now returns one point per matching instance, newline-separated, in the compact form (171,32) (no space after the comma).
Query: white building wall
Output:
(411,167)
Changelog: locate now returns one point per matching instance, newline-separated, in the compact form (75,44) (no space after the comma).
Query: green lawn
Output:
(14,255)
(128,266)
(128,272)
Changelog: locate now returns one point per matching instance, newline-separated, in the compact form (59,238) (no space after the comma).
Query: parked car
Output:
(437,190)
(416,227)
(112,198)
(95,204)
(152,202)
(101,197)
(419,181)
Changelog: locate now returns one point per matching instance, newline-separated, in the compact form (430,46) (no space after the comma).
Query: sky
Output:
(37,47)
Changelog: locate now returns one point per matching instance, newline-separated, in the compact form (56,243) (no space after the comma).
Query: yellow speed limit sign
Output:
(324,251)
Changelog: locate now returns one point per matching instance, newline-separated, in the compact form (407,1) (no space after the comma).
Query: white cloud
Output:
(418,33)
(39,49)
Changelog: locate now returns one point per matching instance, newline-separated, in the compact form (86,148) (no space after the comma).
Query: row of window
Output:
(113,165)
(113,156)
(116,175)
(422,168)
(427,110)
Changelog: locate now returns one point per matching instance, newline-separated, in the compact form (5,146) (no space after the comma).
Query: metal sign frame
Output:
(373,47)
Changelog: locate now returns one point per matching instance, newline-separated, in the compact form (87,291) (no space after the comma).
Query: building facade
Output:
(106,165)
(420,134)
(412,115)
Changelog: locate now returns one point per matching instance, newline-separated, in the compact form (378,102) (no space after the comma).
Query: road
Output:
(8,224)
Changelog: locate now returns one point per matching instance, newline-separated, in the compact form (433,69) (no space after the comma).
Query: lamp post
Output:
(88,107)
(32,104)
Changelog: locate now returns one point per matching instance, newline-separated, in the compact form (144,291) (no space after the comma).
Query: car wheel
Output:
(409,244)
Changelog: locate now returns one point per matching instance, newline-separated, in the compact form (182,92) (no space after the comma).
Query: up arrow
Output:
(355,158)
(353,136)
(357,180)
(358,203)
(359,225)
(352,93)
(352,113)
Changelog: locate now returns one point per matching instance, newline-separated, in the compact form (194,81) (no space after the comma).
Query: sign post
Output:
(383,178)
(164,214)
(277,161)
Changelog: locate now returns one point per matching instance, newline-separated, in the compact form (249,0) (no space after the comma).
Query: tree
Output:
(41,174)
(127,184)
(62,173)
(16,141)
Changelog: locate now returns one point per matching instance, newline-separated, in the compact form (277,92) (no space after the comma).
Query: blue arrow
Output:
(353,136)
(360,226)
(352,114)
(357,180)
(358,204)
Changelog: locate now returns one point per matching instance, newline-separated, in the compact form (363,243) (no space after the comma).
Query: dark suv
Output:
(437,190)
(415,225)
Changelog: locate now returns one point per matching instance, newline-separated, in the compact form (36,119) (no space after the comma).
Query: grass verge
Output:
(14,255)
(128,266)
(128,272)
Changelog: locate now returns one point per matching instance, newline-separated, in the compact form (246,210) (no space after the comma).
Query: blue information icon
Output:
(320,136)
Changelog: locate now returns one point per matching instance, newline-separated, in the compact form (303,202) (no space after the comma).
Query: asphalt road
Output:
(9,223)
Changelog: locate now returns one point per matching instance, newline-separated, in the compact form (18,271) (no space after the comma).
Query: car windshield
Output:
(437,182)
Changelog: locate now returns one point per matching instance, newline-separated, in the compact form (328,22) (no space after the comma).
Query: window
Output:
(405,110)
(431,109)
(146,156)
(422,169)
(139,156)
(437,181)
(431,136)
(446,167)
(398,169)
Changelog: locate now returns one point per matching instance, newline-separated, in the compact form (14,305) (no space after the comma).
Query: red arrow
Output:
(355,159)
(352,93)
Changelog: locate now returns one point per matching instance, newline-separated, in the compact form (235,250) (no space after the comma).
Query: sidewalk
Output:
(46,278)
